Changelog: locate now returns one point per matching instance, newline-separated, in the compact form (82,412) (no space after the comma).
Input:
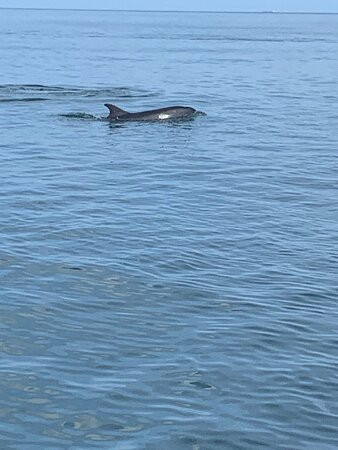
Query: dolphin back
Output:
(170,112)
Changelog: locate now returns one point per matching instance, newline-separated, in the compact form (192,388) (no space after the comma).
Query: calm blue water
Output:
(172,285)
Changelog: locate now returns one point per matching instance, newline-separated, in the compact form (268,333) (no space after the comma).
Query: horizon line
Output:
(169,11)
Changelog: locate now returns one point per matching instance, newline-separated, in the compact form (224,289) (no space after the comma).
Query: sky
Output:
(324,6)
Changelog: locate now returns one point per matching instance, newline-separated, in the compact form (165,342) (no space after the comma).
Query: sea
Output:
(168,285)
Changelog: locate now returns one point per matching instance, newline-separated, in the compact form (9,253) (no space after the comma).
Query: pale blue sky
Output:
(197,5)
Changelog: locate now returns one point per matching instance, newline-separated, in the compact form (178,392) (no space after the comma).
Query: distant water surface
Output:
(172,285)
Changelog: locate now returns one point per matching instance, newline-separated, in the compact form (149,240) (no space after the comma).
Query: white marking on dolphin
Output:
(163,116)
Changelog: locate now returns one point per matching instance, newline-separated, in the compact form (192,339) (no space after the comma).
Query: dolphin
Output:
(171,112)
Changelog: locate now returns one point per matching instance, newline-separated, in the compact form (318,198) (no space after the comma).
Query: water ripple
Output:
(168,286)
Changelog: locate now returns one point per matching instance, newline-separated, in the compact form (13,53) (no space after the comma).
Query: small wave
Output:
(80,115)
(222,38)
(28,87)
(25,99)
(18,92)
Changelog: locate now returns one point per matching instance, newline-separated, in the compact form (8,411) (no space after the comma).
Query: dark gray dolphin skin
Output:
(171,112)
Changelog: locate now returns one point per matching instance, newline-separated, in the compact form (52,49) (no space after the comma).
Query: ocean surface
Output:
(168,286)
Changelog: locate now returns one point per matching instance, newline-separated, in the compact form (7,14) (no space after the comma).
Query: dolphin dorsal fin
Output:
(115,111)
